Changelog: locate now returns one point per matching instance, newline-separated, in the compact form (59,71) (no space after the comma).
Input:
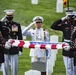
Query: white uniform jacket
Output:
(37,35)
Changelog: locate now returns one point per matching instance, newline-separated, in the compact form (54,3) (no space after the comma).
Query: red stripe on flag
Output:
(43,46)
(63,45)
(21,43)
(53,46)
(32,46)
(12,41)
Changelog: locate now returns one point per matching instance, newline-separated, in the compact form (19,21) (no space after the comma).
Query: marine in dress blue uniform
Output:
(11,30)
(67,26)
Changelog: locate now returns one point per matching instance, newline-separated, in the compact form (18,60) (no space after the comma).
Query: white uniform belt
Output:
(65,40)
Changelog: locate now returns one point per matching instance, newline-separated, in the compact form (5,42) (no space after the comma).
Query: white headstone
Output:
(54,38)
(22,28)
(34,1)
(51,61)
(59,6)
(32,72)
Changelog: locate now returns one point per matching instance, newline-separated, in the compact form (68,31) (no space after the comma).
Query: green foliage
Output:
(24,12)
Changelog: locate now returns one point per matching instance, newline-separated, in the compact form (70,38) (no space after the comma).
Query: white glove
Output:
(10,40)
(28,27)
(67,47)
(7,45)
(3,18)
(63,18)
(19,53)
(48,53)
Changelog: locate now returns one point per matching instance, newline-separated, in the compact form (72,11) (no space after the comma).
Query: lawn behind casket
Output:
(24,12)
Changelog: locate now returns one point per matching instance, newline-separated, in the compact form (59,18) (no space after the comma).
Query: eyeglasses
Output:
(38,22)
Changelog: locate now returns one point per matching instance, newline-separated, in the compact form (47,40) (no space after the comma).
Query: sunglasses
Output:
(9,15)
(38,22)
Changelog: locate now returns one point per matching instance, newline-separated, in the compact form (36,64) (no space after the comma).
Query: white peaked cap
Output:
(74,13)
(69,11)
(9,12)
(69,14)
(38,18)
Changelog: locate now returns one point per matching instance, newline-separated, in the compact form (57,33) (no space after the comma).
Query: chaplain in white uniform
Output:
(38,34)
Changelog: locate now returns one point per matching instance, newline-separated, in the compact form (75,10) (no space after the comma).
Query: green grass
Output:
(24,12)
